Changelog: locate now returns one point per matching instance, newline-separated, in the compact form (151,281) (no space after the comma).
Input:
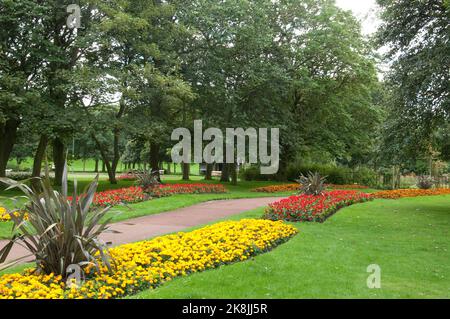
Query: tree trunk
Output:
(96,166)
(233,173)
(58,160)
(37,161)
(154,159)
(225,177)
(8,135)
(116,156)
(106,163)
(186,167)
(208,173)
(103,167)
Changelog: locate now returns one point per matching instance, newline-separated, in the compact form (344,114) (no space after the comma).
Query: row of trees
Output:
(137,69)
(417,87)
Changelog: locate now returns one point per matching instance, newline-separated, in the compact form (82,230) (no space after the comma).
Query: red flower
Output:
(313,208)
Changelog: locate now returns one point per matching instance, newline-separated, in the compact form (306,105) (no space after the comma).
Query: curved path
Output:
(145,227)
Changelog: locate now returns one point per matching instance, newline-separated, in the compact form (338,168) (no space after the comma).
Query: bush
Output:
(312,184)
(252,173)
(338,175)
(148,181)
(335,175)
(365,176)
(425,182)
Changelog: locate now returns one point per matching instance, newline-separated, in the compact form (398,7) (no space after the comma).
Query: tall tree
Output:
(417,35)
(136,62)
(22,46)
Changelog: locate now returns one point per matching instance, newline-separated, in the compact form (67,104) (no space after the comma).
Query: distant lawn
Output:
(408,238)
(89,166)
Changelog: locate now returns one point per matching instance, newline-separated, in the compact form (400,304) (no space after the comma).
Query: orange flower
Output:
(277,188)
(400,193)
(347,186)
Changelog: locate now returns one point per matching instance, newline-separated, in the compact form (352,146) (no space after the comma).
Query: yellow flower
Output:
(147,264)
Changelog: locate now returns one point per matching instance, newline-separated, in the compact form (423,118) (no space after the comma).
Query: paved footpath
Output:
(145,227)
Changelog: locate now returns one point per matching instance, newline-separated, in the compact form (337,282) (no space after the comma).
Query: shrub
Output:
(335,175)
(364,176)
(312,207)
(312,184)
(253,173)
(425,182)
(58,232)
(148,181)
(338,175)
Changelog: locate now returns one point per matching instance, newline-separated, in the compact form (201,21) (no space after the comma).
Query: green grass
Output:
(89,166)
(408,238)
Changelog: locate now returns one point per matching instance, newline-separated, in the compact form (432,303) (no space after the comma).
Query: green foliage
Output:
(312,184)
(58,232)
(253,173)
(137,69)
(339,175)
(417,34)
(335,175)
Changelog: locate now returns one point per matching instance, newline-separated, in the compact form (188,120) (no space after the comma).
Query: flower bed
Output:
(400,193)
(170,189)
(277,188)
(347,186)
(6,217)
(118,196)
(313,208)
(148,264)
(127,177)
(135,194)
(295,187)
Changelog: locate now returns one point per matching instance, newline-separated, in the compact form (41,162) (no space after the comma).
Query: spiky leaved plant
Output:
(148,181)
(312,184)
(58,232)
(425,182)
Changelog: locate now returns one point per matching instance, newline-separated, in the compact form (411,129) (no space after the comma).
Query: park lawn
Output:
(408,238)
(89,166)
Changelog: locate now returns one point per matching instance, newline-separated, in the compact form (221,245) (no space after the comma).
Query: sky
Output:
(365,11)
